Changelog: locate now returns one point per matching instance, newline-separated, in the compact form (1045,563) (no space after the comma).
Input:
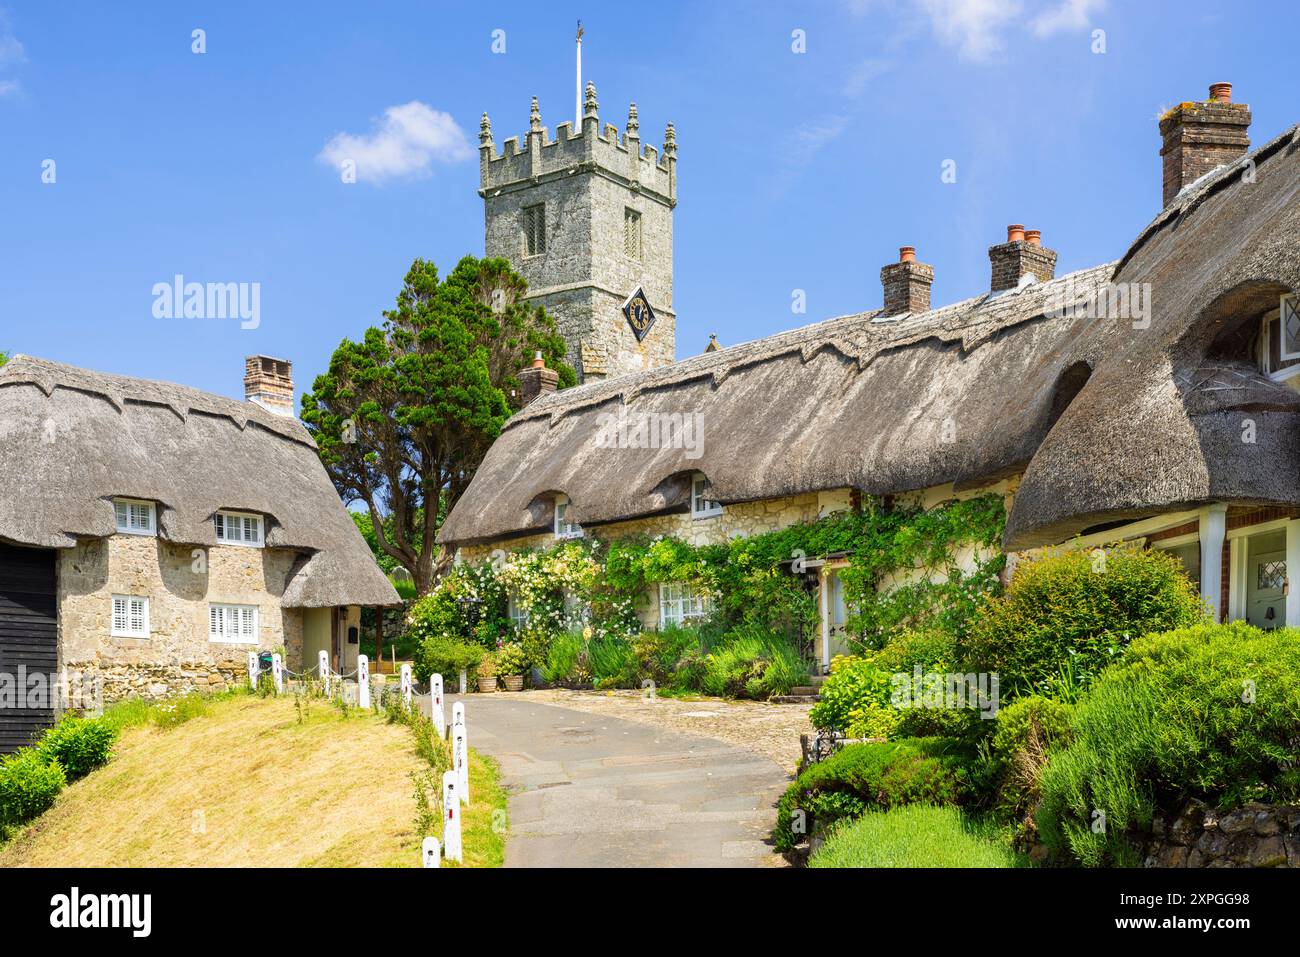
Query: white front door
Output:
(1266,580)
(836,616)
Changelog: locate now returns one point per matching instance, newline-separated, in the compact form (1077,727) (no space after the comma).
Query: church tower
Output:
(587,219)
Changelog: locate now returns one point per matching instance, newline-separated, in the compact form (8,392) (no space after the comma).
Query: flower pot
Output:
(514,682)
(487,684)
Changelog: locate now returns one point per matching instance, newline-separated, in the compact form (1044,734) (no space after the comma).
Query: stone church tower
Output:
(587,219)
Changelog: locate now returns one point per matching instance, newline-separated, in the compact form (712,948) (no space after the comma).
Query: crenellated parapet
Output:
(538,156)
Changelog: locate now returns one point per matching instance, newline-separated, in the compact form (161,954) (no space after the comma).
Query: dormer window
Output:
(563,527)
(135,517)
(1279,340)
(239,528)
(701,505)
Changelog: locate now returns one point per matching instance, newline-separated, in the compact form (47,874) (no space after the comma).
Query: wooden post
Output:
(431,852)
(438,714)
(460,760)
(451,844)
(277,672)
(363,681)
(323,666)
(252,669)
(406,685)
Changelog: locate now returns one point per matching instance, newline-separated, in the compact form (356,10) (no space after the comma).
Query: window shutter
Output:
(214,622)
(120,616)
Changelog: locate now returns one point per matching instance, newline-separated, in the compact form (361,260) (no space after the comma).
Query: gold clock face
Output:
(639,314)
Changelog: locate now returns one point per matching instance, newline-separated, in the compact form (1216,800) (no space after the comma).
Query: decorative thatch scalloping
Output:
(71,440)
(860,402)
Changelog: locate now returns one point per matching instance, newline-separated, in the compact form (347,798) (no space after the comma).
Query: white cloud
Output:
(1067,15)
(11,52)
(978,29)
(811,138)
(405,142)
(9,88)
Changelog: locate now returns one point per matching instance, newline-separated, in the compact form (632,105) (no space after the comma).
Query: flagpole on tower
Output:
(577,96)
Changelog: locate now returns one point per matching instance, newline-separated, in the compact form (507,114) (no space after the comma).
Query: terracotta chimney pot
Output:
(1221,92)
(907,254)
(1015,233)
(1034,237)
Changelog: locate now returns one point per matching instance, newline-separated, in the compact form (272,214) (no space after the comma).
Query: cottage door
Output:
(336,639)
(1265,588)
(28,643)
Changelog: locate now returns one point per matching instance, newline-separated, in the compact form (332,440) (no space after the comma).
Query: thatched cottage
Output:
(1153,398)
(152,535)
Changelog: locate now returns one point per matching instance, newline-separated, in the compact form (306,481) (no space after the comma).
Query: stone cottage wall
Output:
(177,656)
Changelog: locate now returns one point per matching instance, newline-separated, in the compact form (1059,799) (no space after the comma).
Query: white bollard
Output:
(451,846)
(363,681)
(252,669)
(439,715)
(463,681)
(460,760)
(277,672)
(431,852)
(323,667)
(406,685)
(458,715)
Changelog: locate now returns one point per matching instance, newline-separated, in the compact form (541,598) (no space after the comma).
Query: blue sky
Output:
(796,170)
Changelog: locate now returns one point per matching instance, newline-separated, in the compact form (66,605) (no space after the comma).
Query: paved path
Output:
(589,790)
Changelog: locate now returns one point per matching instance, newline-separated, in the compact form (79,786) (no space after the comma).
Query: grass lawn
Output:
(917,836)
(241,781)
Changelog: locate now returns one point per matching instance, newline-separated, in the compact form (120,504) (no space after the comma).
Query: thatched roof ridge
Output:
(71,440)
(966,393)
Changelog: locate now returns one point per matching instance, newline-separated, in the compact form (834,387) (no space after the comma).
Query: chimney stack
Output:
(1199,137)
(536,381)
(269,383)
(1023,254)
(907,284)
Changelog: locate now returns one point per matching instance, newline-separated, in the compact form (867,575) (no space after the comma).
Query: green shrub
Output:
(612,661)
(660,653)
(28,786)
(1209,712)
(446,657)
(80,745)
(856,691)
(510,660)
(917,836)
(1066,615)
(1019,722)
(560,666)
(751,662)
(860,777)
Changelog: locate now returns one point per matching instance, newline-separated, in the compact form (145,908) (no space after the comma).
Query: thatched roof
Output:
(965,394)
(71,440)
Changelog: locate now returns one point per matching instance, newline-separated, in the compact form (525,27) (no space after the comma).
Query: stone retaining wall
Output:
(156,682)
(1253,835)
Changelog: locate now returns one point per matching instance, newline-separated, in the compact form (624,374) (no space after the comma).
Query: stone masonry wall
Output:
(177,656)
(1254,835)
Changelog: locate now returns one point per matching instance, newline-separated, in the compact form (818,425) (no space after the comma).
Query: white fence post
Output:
(460,760)
(323,666)
(277,672)
(462,681)
(252,669)
(451,846)
(458,714)
(363,681)
(431,852)
(435,703)
(406,685)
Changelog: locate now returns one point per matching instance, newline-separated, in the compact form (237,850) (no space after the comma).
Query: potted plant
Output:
(510,664)
(487,672)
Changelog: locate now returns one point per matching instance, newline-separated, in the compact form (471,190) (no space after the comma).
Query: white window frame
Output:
(1290,303)
(225,612)
(679,604)
(224,516)
(132,507)
(518,616)
(702,507)
(563,527)
(126,631)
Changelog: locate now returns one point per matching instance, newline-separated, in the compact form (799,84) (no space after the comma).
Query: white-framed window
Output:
(238,528)
(631,234)
(135,517)
(680,604)
(534,225)
(563,527)
(130,616)
(1278,349)
(518,614)
(701,505)
(233,624)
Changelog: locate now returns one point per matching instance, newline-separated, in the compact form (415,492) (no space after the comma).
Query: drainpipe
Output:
(1293,573)
(1213,529)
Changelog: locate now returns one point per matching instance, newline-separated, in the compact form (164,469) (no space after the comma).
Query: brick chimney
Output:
(537,380)
(1198,137)
(907,284)
(269,383)
(1023,254)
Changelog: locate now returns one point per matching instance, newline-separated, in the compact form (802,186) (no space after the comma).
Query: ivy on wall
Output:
(904,570)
